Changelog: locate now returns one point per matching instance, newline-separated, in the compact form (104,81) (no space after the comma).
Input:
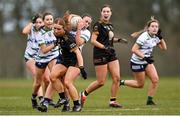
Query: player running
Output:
(142,62)
(104,57)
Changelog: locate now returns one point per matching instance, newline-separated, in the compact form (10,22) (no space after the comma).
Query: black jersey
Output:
(102,30)
(67,45)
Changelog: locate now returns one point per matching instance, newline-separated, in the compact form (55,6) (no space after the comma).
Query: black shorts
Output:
(101,58)
(41,65)
(67,61)
(138,67)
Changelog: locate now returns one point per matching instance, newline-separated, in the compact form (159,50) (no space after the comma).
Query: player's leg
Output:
(54,84)
(114,69)
(139,74)
(137,83)
(152,74)
(37,85)
(46,78)
(47,99)
(101,74)
(70,76)
(30,64)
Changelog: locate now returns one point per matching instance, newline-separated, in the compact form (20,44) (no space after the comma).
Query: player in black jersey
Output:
(104,57)
(70,61)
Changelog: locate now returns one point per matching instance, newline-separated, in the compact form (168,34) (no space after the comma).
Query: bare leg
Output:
(101,73)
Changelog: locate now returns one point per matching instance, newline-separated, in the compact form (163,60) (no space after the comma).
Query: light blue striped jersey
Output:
(146,43)
(46,37)
(85,34)
(32,45)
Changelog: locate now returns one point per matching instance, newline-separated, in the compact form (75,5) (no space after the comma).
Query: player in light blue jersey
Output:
(47,53)
(82,34)
(141,60)
(32,29)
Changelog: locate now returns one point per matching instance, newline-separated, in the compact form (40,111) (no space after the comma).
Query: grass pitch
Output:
(15,99)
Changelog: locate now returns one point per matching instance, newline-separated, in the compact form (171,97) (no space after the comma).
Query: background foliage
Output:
(128,16)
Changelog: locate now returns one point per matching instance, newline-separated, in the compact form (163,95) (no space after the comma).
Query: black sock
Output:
(34,96)
(40,98)
(150,98)
(122,82)
(113,99)
(62,95)
(76,102)
(47,99)
(85,93)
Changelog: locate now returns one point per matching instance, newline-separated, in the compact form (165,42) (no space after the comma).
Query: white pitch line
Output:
(10,98)
(128,109)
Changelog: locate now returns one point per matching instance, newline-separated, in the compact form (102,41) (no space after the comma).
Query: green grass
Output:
(15,99)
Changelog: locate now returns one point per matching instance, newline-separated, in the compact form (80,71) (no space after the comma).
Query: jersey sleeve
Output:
(70,40)
(86,35)
(96,28)
(141,39)
(72,45)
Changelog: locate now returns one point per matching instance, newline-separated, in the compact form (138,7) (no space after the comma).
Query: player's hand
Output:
(108,49)
(159,34)
(34,18)
(83,72)
(80,25)
(149,60)
(56,42)
(122,40)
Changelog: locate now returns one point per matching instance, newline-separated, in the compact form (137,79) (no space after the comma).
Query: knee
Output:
(66,83)
(53,78)
(116,79)
(101,83)
(155,81)
(46,80)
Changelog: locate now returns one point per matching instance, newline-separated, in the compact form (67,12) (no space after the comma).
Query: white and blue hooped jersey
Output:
(32,45)
(85,34)
(46,37)
(146,43)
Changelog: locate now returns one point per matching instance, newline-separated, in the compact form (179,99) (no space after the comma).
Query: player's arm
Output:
(79,41)
(162,45)
(46,48)
(27,29)
(136,50)
(79,56)
(94,36)
(80,62)
(120,40)
(95,42)
(43,47)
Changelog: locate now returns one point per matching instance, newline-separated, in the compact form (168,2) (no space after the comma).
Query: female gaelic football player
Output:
(48,51)
(70,63)
(82,36)
(32,29)
(141,60)
(104,57)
